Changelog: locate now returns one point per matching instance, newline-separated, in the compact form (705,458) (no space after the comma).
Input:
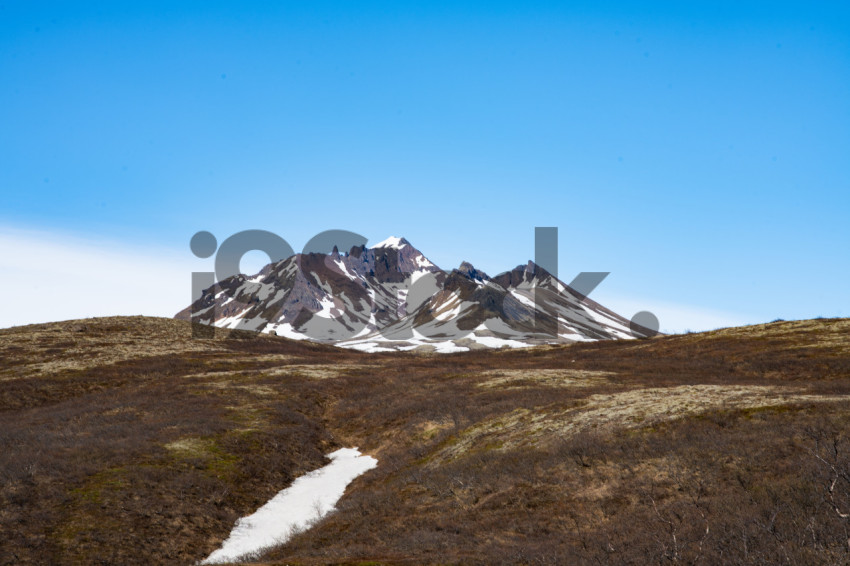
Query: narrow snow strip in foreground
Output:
(296,508)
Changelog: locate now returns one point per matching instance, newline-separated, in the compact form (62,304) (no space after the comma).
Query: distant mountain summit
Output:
(391,297)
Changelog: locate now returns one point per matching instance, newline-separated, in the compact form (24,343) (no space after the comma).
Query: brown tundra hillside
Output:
(125,441)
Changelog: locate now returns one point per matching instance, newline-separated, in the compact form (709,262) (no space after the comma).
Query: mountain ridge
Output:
(392,297)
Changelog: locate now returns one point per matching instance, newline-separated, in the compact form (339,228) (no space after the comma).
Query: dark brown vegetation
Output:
(125,441)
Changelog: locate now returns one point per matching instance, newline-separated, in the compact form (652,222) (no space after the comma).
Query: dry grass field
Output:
(125,441)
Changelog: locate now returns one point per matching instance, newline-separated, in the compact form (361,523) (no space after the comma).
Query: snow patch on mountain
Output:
(392,242)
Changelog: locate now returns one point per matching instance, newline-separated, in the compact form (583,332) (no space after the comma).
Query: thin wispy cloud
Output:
(676,318)
(52,276)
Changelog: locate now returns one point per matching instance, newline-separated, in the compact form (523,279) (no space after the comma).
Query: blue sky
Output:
(697,151)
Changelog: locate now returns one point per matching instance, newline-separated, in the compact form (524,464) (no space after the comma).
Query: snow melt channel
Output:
(296,508)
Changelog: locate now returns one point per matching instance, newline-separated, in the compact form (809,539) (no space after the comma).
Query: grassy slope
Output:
(124,440)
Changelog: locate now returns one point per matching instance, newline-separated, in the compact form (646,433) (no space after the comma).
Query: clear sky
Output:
(699,151)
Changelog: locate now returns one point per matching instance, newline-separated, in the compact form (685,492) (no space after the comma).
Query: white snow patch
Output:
(341,265)
(231,322)
(416,275)
(401,308)
(607,320)
(296,508)
(422,261)
(391,242)
(284,330)
(328,308)
(576,336)
(495,342)
(202,311)
(522,299)
(451,308)
(368,347)
(447,347)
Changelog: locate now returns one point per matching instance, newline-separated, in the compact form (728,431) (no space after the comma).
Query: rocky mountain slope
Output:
(391,297)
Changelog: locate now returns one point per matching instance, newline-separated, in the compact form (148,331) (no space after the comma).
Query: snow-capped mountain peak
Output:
(392,242)
(390,296)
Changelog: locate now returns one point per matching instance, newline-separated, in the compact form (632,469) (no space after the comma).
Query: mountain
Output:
(392,297)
